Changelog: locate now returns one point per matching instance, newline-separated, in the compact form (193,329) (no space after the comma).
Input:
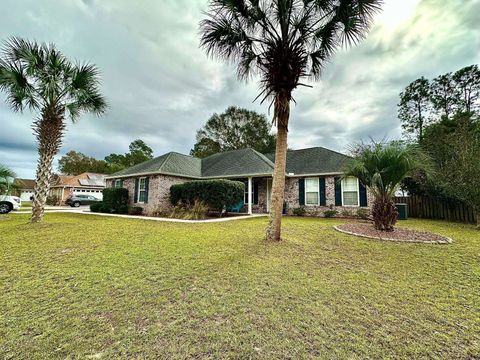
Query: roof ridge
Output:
(169,154)
(263,158)
(187,155)
(319,147)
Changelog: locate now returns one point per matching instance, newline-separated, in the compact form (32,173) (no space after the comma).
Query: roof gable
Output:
(236,163)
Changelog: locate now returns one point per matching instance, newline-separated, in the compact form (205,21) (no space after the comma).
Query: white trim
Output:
(242,176)
(358,194)
(139,189)
(250,197)
(289,175)
(318,191)
(314,174)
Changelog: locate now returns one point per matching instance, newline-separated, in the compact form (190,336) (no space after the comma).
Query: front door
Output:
(269,194)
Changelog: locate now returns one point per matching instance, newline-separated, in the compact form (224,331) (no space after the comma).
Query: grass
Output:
(96,287)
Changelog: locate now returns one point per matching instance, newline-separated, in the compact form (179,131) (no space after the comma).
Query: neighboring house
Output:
(86,184)
(27,187)
(312,179)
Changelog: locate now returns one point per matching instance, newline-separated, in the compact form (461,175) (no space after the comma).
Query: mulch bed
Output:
(399,234)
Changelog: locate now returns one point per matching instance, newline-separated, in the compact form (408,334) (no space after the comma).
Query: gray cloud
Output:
(161,87)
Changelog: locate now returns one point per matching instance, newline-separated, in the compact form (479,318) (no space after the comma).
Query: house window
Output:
(118,183)
(142,194)
(311,191)
(350,191)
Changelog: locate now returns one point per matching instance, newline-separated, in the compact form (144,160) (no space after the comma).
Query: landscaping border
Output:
(445,240)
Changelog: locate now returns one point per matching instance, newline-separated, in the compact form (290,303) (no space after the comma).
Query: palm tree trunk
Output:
(282,110)
(384,213)
(42,185)
(48,131)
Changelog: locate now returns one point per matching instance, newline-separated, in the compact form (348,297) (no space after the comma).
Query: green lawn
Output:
(96,287)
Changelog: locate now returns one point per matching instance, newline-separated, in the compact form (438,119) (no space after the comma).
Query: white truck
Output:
(9,203)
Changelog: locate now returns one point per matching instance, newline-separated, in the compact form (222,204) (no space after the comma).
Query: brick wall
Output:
(158,192)
(292,198)
(159,195)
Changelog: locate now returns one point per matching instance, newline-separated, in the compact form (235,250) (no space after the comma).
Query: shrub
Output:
(115,200)
(330,213)
(299,211)
(215,194)
(197,211)
(53,200)
(96,207)
(135,210)
(122,209)
(363,214)
(347,213)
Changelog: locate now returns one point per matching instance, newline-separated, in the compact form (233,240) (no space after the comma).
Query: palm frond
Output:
(283,40)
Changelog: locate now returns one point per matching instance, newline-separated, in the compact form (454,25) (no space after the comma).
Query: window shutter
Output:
(121,183)
(113,183)
(135,196)
(255,192)
(338,191)
(301,191)
(147,182)
(363,194)
(321,190)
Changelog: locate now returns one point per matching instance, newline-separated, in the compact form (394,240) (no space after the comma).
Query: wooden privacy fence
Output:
(428,208)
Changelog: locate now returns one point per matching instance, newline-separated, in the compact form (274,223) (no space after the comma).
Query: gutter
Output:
(288,175)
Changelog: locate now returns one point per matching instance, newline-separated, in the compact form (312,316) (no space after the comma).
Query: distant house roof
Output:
(239,163)
(83,180)
(315,160)
(25,184)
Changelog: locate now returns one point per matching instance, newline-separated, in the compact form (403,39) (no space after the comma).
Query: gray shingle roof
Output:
(236,163)
(316,160)
(170,163)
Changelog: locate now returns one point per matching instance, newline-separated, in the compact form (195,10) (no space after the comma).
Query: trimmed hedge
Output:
(216,194)
(115,200)
(96,207)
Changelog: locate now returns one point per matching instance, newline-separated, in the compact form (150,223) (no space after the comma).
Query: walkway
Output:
(152,218)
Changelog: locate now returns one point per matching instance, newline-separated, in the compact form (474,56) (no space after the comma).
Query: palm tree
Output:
(5,179)
(382,167)
(40,78)
(284,41)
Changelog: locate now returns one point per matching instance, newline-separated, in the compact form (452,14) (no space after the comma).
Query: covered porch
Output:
(257,196)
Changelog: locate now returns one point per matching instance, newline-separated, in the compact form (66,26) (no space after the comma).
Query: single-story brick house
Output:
(64,186)
(312,179)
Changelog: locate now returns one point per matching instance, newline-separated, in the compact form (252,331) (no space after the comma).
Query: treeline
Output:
(442,117)
(74,163)
(425,101)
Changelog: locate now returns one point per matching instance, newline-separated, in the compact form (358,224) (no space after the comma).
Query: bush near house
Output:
(96,207)
(299,211)
(115,200)
(216,194)
(135,210)
(53,200)
(363,214)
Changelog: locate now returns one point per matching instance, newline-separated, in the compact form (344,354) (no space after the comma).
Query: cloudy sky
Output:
(161,87)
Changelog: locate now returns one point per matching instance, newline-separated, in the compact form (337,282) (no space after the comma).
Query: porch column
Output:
(250,197)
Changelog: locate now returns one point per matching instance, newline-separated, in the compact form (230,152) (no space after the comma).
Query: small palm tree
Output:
(284,41)
(6,176)
(42,79)
(382,167)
